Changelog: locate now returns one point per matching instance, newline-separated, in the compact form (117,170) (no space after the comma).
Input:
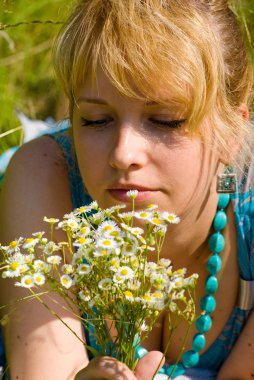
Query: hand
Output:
(107,368)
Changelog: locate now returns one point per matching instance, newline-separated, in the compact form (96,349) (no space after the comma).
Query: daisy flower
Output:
(50,220)
(82,241)
(107,243)
(114,264)
(39,278)
(144,215)
(66,281)
(69,224)
(125,272)
(105,284)
(157,221)
(50,248)
(67,269)
(132,194)
(82,209)
(109,228)
(84,269)
(13,246)
(54,259)
(129,295)
(84,296)
(39,265)
(26,282)
(151,207)
(84,231)
(30,243)
(170,217)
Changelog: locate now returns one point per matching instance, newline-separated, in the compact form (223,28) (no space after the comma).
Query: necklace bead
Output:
(216,244)
(208,304)
(198,342)
(211,285)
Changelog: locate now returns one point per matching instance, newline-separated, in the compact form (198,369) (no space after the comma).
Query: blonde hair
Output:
(193,48)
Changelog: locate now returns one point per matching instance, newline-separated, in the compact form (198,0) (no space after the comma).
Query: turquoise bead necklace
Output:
(216,244)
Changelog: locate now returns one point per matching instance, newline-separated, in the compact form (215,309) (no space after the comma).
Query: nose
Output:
(129,148)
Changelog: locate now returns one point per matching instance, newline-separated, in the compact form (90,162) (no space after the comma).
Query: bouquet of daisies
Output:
(103,269)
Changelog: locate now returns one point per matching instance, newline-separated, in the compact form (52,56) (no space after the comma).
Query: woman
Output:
(159,94)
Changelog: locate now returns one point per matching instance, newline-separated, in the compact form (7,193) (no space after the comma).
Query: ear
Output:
(244,110)
(245,114)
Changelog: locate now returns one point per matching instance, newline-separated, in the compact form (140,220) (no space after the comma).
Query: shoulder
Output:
(36,184)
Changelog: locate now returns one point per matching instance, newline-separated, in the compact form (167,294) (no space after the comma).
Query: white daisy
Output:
(27,281)
(129,295)
(39,278)
(50,248)
(30,243)
(50,220)
(82,241)
(105,284)
(132,194)
(125,272)
(54,259)
(170,217)
(144,215)
(82,209)
(107,243)
(84,269)
(66,281)
(84,296)
(39,265)
(67,268)
(84,231)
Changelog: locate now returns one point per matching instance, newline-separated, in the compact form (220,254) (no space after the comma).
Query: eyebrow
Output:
(103,102)
(92,100)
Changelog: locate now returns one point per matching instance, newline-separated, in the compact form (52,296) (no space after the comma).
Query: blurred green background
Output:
(27,79)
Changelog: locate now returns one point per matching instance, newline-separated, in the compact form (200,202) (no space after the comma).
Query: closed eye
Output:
(174,124)
(98,122)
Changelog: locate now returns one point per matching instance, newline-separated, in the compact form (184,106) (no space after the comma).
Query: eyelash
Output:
(174,124)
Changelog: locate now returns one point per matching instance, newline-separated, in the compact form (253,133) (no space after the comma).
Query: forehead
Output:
(97,85)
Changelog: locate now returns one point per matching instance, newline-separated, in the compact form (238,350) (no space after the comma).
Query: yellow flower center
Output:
(107,242)
(65,281)
(83,230)
(156,221)
(15,265)
(13,244)
(171,217)
(29,240)
(147,298)
(143,214)
(114,233)
(124,272)
(128,293)
(107,228)
(82,240)
(82,209)
(157,295)
(28,281)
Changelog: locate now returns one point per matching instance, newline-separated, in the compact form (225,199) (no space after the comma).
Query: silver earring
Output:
(226,182)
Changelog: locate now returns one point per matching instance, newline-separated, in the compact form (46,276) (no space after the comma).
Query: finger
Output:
(105,368)
(149,364)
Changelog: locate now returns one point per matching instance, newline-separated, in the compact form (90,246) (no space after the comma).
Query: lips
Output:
(119,192)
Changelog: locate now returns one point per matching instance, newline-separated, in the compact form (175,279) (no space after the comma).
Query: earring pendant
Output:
(226,183)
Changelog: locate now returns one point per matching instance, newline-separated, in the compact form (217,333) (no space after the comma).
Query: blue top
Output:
(243,203)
